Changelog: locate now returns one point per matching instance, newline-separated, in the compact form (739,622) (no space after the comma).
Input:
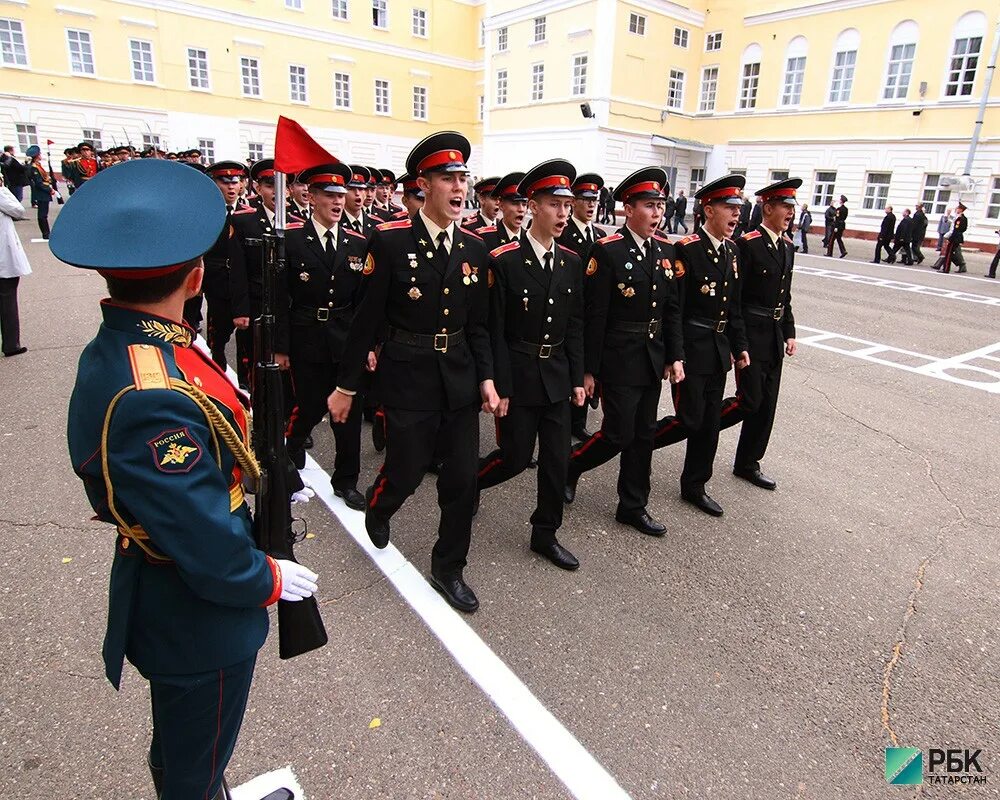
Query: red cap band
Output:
(585,187)
(777,193)
(440,158)
(551,182)
(647,186)
(509,191)
(265,173)
(225,173)
(326,177)
(719,194)
(139,274)
(487,188)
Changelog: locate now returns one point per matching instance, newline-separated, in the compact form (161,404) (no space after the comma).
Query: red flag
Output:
(295,150)
(49,141)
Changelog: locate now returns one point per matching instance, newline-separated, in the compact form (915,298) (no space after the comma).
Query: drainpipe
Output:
(990,69)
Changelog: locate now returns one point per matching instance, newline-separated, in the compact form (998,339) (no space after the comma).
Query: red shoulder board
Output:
(291,226)
(659,238)
(614,237)
(567,249)
(473,235)
(486,229)
(504,248)
(694,237)
(245,210)
(401,214)
(351,232)
(751,235)
(394,225)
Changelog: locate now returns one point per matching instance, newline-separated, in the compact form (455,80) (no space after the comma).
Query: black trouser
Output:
(805,242)
(698,405)
(881,243)
(757,387)
(951,253)
(994,263)
(578,417)
(43,217)
(192,311)
(905,247)
(314,382)
(10,321)
(516,435)
(836,236)
(244,354)
(196,720)
(915,250)
(220,327)
(415,440)
(627,428)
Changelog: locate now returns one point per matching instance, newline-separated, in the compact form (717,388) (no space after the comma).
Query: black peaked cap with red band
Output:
(588,186)
(331,178)
(410,186)
(262,170)
(226,171)
(780,192)
(507,187)
(553,177)
(359,177)
(486,185)
(446,151)
(727,189)
(648,183)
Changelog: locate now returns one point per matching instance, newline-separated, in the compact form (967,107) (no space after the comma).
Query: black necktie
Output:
(547,258)
(356,225)
(588,236)
(441,249)
(645,249)
(330,246)
(229,209)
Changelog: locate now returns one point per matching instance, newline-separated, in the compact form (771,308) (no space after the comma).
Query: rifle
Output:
(300,628)
(52,175)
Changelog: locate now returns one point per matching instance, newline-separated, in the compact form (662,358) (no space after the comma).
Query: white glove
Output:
(297,582)
(303,495)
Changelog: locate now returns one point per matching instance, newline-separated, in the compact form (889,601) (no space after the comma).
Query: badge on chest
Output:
(355,263)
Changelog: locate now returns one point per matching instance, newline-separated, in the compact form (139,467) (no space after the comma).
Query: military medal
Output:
(303,276)
(525,303)
(415,293)
(354,262)
(711,290)
(628,291)
(704,288)
(628,265)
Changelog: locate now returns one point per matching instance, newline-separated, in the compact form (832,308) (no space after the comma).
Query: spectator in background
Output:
(829,216)
(668,214)
(42,188)
(885,235)
(13,172)
(680,212)
(756,214)
(918,233)
(13,264)
(744,224)
(995,262)
(805,223)
(944,225)
(904,232)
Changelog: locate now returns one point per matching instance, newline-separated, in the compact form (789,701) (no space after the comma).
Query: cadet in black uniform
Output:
(371,191)
(355,216)
(384,191)
(489,206)
(426,291)
(579,236)
(837,232)
(632,341)
(324,260)
(413,197)
(513,207)
(536,326)
(713,332)
(952,250)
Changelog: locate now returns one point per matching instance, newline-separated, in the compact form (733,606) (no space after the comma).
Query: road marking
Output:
(954,369)
(921,270)
(886,283)
(263,785)
(569,760)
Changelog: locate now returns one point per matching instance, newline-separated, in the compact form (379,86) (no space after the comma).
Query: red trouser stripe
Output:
(378,490)
(586,445)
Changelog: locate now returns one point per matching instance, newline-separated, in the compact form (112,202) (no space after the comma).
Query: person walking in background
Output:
(917,233)
(42,189)
(828,219)
(952,251)
(904,232)
(756,214)
(995,262)
(668,215)
(680,212)
(13,265)
(885,235)
(14,173)
(839,226)
(944,225)
(805,223)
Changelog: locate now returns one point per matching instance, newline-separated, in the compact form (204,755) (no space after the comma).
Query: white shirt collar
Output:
(774,236)
(514,236)
(582,226)
(351,219)
(638,239)
(716,243)
(540,250)
(433,229)
(322,231)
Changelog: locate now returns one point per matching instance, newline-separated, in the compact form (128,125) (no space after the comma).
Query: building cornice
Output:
(810,10)
(673,10)
(530,11)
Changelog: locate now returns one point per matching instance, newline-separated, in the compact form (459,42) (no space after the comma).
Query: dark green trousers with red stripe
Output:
(196,719)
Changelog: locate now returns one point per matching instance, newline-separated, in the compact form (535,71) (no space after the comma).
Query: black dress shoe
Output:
(434,468)
(475,503)
(703,502)
(569,491)
(308,443)
(532,463)
(378,434)
(456,592)
(352,498)
(378,530)
(557,554)
(641,521)
(581,434)
(756,477)
(16,352)
(298,458)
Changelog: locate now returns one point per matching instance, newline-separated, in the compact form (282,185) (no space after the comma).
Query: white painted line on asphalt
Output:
(886,283)
(263,785)
(921,270)
(944,369)
(38,241)
(572,764)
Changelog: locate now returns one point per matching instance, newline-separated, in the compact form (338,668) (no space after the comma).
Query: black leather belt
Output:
(771,313)
(309,314)
(652,327)
(717,325)
(438,341)
(535,349)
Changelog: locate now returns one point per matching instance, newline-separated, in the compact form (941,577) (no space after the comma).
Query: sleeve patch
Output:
(490,278)
(591,266)
(175,451)
(678,269)
(369,265)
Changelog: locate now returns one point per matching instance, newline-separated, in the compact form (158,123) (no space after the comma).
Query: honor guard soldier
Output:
(536,326)
(513,208)
(632,341)
(413,197)
(579,236)
(426,291)
(486,216)
(324,260)
(159,437)
(354,203)
(951,253)
(766,258)
(714,335)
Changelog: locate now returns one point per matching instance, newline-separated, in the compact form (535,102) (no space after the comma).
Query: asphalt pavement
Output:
(771,653)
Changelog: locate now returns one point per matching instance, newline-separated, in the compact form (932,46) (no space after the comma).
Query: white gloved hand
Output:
(304,494)
(297,582)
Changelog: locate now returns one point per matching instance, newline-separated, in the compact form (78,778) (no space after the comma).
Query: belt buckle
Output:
(322,314)
(442,337)
(778,313)
(720,326)
(544,350)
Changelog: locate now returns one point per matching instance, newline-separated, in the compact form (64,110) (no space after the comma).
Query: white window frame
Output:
(419,19)
(578,87)
(779,175)
(905,35)
(255,151)
(345,79)
(337,5)
(501,87)
(537,81)
(747,100)
(502,41)
(709,84)
(421,102)
(842,76)
(794,80)
(682,37)
(696,179)
(387,88)
(541,24)
(93,135)
(482,107)
(294,5)
(676,79)
(151,140)
(710,39)
(132,60)
(962,81)
(207,147)
(298,80)
(993,204)
(824,190)
(198,87)
(637,23)
(250,83)
(876,196)
(10,43)
(80,32)
(383,6)
(935,197)
(27,134)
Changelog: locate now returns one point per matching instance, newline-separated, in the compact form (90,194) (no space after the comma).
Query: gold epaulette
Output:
(149,371)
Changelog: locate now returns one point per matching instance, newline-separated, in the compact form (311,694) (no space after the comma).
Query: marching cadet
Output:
(297,205)
(227,175)
(489,206)
(714,336)
(159,437)
(837,231)
(536,326)
(632,342)
(426,291)
(766,259)
(413,197)
(324,260)
(513,208)
(384,191)
(579,236)
(354,203)
(951,253)
(371,189)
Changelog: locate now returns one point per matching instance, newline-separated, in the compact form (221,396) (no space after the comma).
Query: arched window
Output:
(795,71)
(750,76)
(899,68)
(967,42)
(845,56)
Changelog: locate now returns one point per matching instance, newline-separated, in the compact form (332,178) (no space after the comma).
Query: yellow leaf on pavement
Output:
(375,723)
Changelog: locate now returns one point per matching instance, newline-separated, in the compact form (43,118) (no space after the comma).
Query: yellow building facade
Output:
(873,99)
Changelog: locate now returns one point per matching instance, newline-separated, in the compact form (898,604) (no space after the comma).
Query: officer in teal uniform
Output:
(159,436)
